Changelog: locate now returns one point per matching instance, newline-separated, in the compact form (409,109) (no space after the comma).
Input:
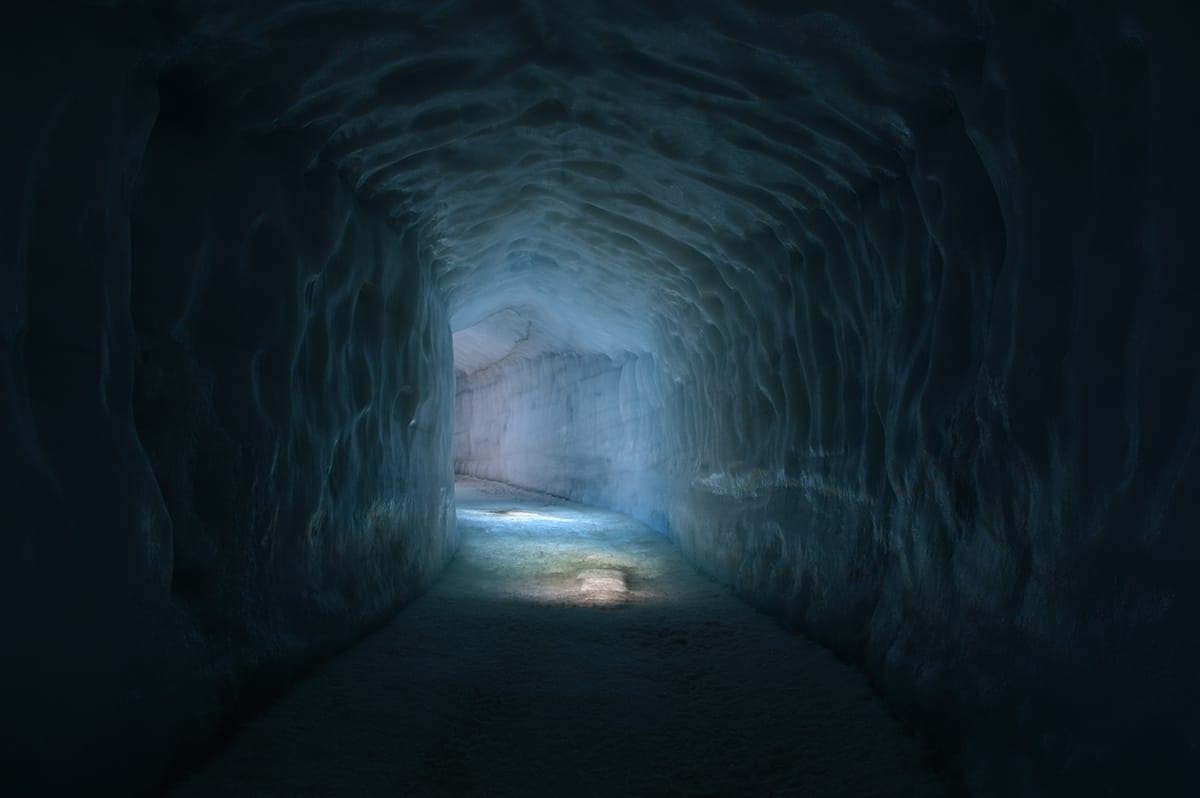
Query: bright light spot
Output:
(522,514)
(560,556)
(513,515)
(602,586)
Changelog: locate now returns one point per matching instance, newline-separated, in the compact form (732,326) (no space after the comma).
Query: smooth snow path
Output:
(571,651)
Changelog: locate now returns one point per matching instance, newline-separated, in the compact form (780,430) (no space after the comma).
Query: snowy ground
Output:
(571,651)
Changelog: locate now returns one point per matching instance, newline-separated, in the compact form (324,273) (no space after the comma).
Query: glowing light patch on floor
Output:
(602,586)
(559,555)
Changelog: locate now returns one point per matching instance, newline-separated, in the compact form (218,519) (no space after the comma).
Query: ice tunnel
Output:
(884,314)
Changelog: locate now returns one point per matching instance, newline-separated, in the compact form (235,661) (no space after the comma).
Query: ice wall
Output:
(226,389)
(588,427)
(966,448)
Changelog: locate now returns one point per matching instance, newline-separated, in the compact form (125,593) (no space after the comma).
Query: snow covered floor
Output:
(572,651)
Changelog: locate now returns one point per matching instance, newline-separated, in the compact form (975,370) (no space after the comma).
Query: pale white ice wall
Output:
(584,426)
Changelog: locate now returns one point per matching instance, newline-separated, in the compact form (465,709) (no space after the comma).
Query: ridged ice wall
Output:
(915,283)
(587,427)
(227,392)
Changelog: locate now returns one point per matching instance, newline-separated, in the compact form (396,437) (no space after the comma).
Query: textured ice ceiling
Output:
(607,171)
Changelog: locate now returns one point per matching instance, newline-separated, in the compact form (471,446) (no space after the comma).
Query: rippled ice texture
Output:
(910,287)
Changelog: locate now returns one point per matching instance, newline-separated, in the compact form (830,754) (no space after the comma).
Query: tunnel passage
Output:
(882,312)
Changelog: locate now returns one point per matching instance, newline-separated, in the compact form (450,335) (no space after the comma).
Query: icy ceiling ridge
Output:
(624,171)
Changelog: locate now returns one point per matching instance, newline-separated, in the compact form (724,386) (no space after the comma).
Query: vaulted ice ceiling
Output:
(605,173)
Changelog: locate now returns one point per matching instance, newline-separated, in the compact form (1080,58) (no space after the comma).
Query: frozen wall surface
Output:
(885,312)
(584,426)
(226,391)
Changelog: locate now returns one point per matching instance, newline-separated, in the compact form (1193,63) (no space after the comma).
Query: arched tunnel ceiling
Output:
(613,169)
